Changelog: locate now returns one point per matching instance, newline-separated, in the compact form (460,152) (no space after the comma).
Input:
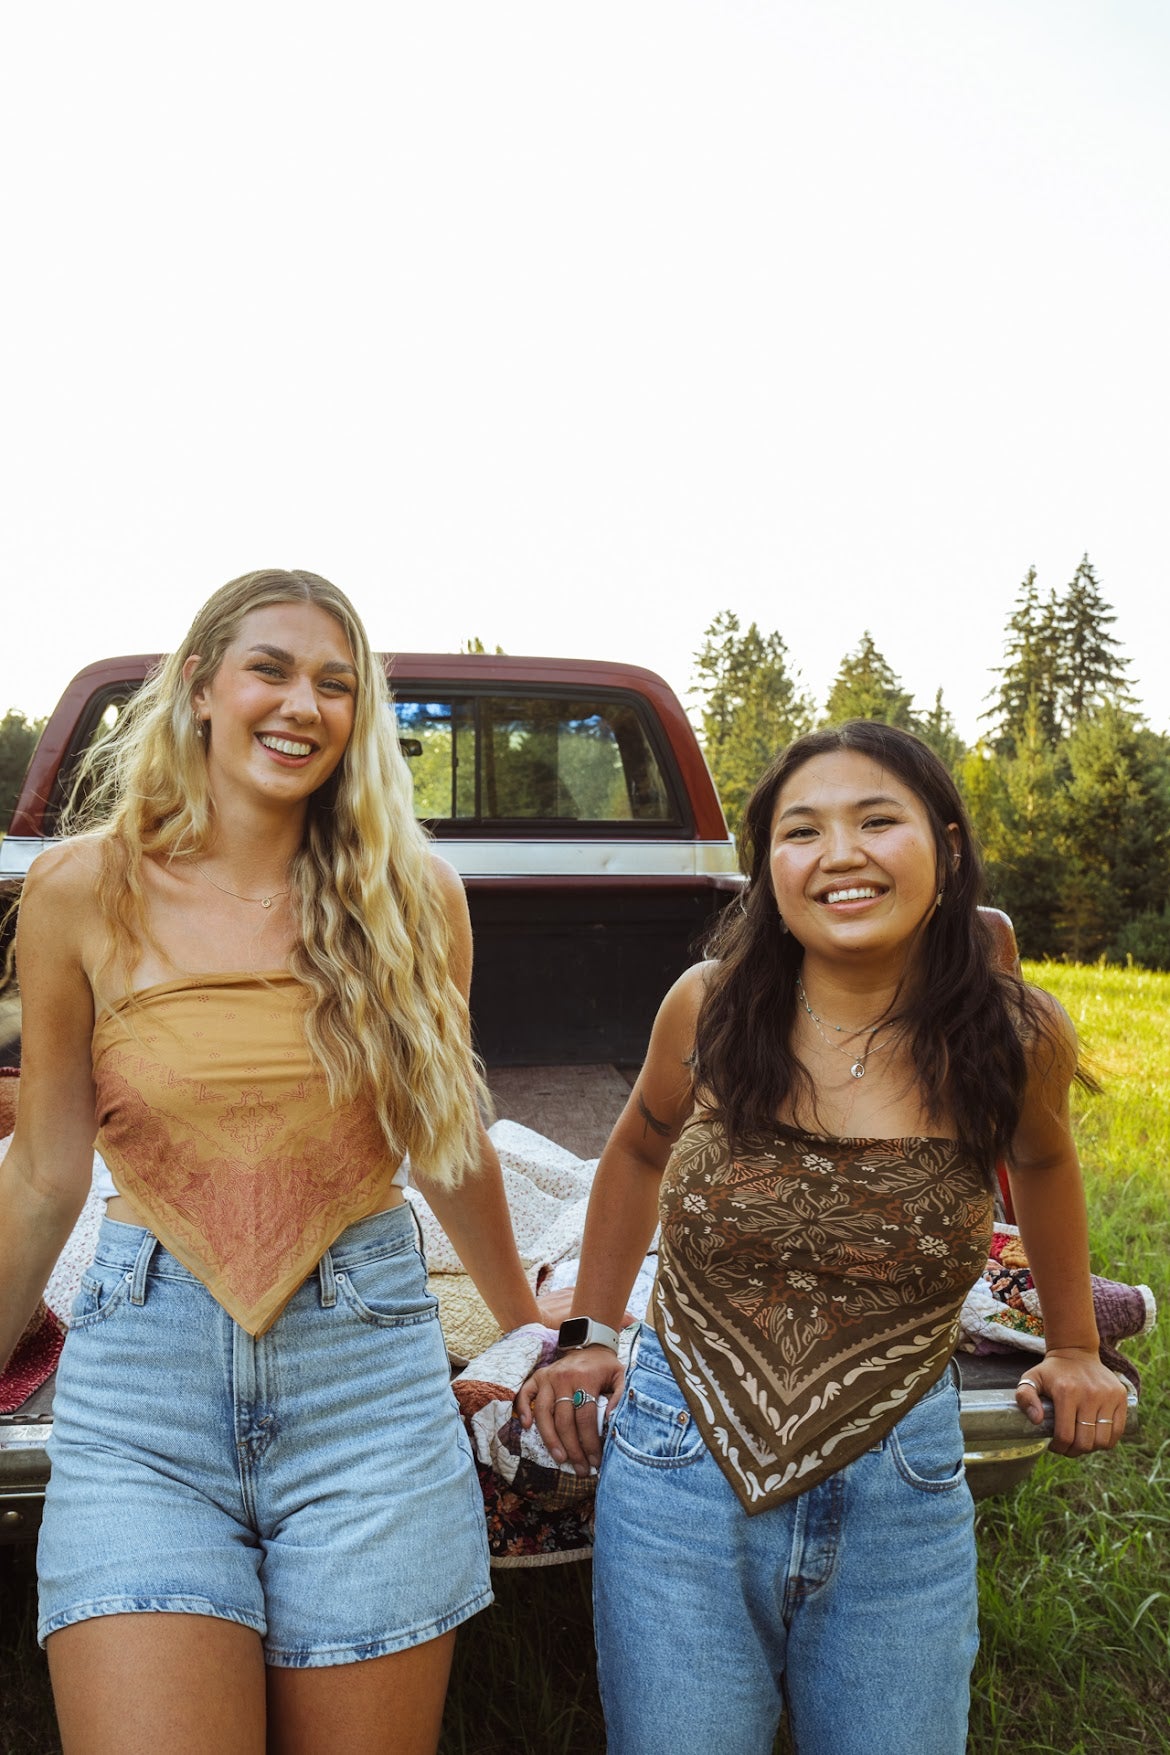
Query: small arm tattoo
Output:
(652,1121)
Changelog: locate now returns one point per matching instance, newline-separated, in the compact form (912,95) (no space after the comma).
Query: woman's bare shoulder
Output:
(690,990)
(1049,1036)
(447,881)
(64,876)
(679,1012)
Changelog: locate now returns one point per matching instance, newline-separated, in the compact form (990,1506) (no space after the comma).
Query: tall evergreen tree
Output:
(937,728)
(1028,698)
(866,687)
(1013,805)
(1092,670)
(1113,821)
(750,705)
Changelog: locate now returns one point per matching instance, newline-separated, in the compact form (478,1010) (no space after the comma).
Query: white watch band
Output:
(584,1331)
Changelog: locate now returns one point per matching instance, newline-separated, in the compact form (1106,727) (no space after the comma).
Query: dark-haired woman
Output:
(782,1515)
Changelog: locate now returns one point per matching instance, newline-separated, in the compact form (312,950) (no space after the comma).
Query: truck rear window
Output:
(514,759)
(485,762)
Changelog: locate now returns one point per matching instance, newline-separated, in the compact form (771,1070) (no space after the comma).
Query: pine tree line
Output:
(1069,789)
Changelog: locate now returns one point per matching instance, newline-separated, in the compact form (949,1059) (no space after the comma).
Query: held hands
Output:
(563,1397)
(1088,1400)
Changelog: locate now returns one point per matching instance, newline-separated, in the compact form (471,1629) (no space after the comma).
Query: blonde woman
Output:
(263,1522)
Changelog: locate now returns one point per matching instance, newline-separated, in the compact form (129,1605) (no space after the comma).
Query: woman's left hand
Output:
(1088,1400)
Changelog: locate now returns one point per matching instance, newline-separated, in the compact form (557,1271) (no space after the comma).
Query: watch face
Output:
(573,1332)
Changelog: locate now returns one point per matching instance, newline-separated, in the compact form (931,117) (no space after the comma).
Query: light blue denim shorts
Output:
(854,1603)
(314,1484)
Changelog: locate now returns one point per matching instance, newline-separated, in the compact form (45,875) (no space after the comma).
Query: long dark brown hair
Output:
(965,1021)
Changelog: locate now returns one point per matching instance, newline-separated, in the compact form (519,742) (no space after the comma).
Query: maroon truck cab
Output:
(572,797)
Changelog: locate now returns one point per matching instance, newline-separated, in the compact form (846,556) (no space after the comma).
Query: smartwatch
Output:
(582,1331)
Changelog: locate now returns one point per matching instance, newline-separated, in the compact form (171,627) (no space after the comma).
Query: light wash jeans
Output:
(854,1603)
(314,1483)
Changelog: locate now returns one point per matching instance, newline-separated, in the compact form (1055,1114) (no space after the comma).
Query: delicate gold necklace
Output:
(263,901)
(857,1061)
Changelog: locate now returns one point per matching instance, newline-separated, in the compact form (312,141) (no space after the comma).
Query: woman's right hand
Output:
(570,1427)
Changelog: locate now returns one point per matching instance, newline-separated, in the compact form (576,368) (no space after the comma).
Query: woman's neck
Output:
(253,845)
(851,995)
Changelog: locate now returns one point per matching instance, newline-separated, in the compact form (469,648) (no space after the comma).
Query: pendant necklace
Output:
(857,1061)
(262,901)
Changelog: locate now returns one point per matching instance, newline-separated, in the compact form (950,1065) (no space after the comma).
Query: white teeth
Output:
(859,895)
(285,747)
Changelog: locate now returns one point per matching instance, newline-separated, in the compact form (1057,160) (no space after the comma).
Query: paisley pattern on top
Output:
(215,1121)
(808,1292)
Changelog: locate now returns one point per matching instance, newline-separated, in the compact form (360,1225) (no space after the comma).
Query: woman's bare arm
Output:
(475,1215)
(45,1176)
(1049,1200)
(623,1211)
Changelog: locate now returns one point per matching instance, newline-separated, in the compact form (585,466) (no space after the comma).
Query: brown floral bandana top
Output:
(808,1292)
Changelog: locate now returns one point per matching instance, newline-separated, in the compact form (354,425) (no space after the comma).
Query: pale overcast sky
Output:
(568,326)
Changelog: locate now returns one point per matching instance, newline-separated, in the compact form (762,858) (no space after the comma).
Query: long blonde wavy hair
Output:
(384,1019)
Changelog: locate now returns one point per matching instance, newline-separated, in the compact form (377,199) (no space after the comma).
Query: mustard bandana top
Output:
(808,1292)
(215,1122)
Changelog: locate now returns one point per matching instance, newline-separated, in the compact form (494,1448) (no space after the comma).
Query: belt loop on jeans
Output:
(422,1246)
(141,1262)
(328,1281)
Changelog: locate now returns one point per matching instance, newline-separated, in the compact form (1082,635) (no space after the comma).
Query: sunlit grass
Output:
(1075,1567)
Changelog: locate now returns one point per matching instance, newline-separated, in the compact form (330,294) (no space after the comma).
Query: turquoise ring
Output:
(580,1399)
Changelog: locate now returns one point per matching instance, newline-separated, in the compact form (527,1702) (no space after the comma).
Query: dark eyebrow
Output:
(337,665)
(808,810)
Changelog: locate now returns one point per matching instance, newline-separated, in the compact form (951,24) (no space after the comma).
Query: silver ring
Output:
(1102,1422)
(1031,1383)
(1089,1422)
(581,1399)
(561,1398)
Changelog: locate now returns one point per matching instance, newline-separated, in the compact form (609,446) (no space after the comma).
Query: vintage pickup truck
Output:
(573,798)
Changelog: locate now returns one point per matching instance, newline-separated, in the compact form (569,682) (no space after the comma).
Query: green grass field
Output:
(1074,1567)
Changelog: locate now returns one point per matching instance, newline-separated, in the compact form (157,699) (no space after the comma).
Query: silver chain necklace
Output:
(261,901)
(857,1061)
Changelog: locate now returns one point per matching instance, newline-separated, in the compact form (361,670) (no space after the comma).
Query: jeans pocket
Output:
(102,1291)
(655,1432)
(927,1443)
(389,1291)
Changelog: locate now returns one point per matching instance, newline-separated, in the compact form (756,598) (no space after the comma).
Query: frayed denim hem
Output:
(168,1605)
(321,1657)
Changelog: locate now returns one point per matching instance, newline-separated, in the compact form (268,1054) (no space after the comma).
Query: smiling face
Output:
(853,860)
(279,711)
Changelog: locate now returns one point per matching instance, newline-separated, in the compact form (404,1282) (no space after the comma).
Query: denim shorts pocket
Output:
(653,1432)
(102,1291)
(927,1443)
(389,1291)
